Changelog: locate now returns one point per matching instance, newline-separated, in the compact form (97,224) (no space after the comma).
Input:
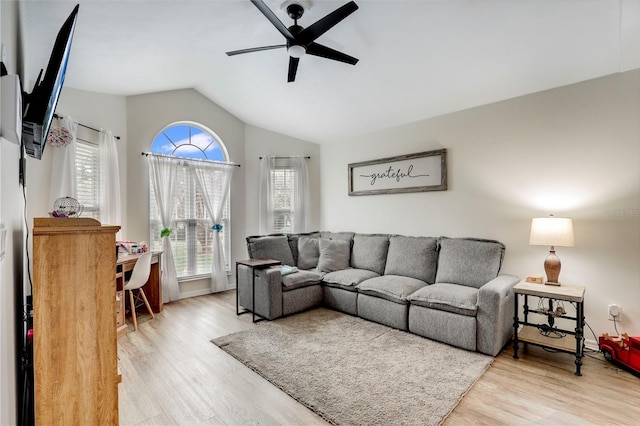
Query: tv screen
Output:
(40,105)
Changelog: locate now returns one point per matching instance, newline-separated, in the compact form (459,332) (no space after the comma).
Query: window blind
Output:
(282,184)
(88,177)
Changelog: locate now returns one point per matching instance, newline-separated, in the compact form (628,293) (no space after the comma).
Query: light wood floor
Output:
(172,374)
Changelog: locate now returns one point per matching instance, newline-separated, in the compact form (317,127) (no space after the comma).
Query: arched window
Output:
(189,140)
(192,239)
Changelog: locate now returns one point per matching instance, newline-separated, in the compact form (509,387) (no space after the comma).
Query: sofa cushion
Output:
(301,279)
(348,279)
(270,247)
(469,262)
(370,252)
(308,252)
(293,242)
(454,298)
(391,287)
(415,257)
(334,255)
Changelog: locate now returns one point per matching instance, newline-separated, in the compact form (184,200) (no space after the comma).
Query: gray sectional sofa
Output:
(445,289)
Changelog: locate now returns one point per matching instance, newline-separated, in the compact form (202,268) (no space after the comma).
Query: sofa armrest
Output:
(268,291)
(495,314)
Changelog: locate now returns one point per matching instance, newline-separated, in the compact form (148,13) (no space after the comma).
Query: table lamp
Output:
(552,231)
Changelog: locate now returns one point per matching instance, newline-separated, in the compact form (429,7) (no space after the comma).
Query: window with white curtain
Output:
(283,205)
(88,177)
(192,236)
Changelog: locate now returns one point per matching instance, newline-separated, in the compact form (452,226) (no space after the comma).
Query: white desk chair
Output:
(139,277)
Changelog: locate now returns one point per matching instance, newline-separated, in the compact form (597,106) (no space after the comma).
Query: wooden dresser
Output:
(75,346)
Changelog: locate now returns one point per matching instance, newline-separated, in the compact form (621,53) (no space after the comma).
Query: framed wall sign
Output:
(424,171)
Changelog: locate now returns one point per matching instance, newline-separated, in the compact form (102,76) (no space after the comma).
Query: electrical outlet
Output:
(614,312)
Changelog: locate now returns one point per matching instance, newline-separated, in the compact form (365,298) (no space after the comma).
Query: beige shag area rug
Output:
(355,372)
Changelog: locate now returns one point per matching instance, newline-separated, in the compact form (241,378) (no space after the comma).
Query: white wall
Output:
(11,291)
(11,207)
(572,151)
(260,143)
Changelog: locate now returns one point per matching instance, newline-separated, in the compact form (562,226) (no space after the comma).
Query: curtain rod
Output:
(85,126)
(282,158)
(153,154)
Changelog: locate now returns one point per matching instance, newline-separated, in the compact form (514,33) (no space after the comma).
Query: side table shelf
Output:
(531,334)
(252,264)
(569,341)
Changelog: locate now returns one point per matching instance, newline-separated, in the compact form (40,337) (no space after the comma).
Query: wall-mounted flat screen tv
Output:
(40,105)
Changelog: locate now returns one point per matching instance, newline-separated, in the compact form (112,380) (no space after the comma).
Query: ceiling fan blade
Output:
(320,27)
(273,18)
(255,49)
(293,68)
(327,52)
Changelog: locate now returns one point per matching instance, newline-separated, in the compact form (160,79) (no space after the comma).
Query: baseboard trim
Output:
(202,292)
(591,344)
(194,293)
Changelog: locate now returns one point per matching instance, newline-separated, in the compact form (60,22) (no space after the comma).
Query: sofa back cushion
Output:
(334,255)
(270,247)
(308,252)
(415,257)
(345,236)
(370,252)
(468,261)
(293,242)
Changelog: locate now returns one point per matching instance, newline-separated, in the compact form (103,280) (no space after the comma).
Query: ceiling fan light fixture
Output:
(304,4)
(300,40)
(296,51)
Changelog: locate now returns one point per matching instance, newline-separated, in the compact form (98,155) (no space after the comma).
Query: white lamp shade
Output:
(551,231)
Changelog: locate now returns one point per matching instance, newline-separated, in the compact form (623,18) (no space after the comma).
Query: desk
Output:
(152,289)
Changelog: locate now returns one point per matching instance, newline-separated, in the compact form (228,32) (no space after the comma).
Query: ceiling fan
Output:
(301,40)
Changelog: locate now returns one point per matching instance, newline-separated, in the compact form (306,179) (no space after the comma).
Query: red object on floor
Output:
(624,350)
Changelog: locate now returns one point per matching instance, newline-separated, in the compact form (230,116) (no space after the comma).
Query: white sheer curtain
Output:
(300,194)
(164,172)
(63,164)
(109,179)
(214,180)
(265,195)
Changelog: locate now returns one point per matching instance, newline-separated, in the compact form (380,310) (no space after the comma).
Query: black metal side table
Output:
(253,264)
(549,335)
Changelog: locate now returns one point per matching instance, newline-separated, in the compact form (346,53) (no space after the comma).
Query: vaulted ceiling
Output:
(418,59)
